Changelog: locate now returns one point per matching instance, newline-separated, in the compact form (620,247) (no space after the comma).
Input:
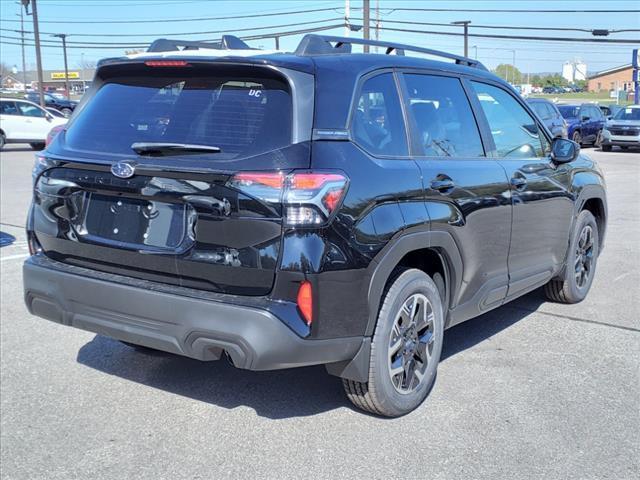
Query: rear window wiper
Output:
(163,148)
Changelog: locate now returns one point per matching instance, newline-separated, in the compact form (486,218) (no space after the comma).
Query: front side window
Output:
(515,132)
(29,110)
(377,124)
(445,125)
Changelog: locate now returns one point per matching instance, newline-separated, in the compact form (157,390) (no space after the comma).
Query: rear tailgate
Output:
(178,219)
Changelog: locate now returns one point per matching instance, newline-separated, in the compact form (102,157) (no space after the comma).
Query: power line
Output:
(506,27)
(517,37)
(177,20)
(501,10)
(157,35)
(137,46)
(74,4)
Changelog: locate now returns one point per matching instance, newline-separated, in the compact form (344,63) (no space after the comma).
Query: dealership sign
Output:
(60,75)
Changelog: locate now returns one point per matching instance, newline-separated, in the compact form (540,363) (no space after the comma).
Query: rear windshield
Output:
(242,116)
(568,112)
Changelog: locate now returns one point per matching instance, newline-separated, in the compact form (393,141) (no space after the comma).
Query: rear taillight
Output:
(308,198)
(52,134)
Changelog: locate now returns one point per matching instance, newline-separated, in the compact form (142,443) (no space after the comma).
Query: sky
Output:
(83,21)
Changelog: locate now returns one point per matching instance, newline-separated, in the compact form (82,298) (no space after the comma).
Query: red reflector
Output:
(166,63)
(332,198)
(305,301)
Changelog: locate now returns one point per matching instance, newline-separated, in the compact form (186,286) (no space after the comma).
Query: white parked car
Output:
(22,121)
(623,130)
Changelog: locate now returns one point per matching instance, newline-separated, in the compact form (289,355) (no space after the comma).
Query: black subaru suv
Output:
(314,207)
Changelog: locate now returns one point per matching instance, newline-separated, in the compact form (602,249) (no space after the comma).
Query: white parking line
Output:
(14,257)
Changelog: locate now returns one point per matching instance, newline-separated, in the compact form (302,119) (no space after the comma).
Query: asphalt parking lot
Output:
(530,390)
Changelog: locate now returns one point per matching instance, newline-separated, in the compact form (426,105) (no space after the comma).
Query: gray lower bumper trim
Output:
(201,329)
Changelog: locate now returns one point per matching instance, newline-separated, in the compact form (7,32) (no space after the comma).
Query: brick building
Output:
(618,78)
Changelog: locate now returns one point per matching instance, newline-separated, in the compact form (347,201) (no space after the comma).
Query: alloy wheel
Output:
(584,256)
(411,343)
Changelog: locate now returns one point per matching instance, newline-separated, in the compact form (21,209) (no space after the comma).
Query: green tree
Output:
(508,73)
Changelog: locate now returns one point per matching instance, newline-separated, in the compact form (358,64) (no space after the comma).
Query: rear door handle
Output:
(442,185)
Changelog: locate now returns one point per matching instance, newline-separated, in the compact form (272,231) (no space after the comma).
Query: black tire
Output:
(66,112)
(598,141)
(577,137)
(573,287)
(37,146)
(380,395)
(606,148)
(3,140)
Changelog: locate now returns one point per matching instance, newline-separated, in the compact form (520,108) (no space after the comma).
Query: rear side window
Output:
(8,108)
(541,110)
(377,124)
(242,116)
(445,125)
(515,132)
(569,111)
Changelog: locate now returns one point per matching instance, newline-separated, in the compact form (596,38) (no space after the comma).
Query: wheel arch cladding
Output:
(597,207)
(408,250)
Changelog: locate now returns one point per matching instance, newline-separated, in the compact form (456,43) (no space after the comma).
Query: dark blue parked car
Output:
(585,122)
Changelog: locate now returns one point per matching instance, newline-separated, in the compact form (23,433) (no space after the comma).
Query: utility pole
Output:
(377,22)
(24,65)
(465,25)
(366,18)
(63,36)
(346,18)
(36,35)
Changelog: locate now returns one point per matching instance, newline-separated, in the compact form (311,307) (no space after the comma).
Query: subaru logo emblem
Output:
(123,169)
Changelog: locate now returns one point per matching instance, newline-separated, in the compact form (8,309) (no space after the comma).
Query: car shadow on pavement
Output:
(11,149)
(274,394)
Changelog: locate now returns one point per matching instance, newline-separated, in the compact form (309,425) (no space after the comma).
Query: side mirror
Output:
(564,150)
(49,117)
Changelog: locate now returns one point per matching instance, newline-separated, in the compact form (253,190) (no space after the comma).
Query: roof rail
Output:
(313,44)
(228,42)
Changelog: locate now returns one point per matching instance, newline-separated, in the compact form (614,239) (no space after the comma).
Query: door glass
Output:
(29,110)
(550,112)
(8,108)
(541,110)
(443,118)
(515,133)
(378,126)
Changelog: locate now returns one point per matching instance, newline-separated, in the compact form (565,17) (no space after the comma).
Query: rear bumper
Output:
(254,338)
